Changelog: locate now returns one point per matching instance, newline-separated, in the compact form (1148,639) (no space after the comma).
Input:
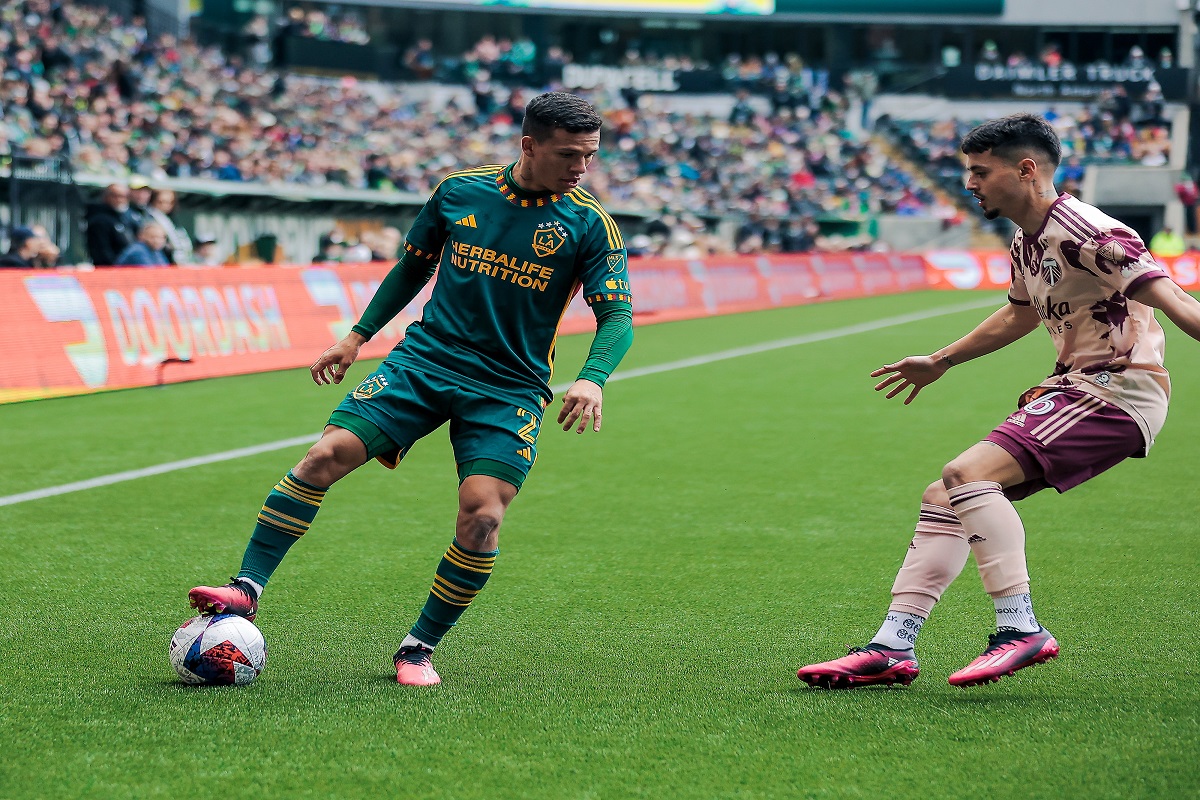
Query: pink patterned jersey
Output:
(1078,271)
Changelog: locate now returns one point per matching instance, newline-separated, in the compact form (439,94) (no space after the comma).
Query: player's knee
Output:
(478,528)
(935,494)
(328,460)
(956,473)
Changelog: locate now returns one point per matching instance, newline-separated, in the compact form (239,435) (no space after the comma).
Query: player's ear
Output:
(527,143)
(1027,168)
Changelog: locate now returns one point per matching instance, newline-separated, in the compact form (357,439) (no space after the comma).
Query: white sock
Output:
(1015,613)
(258,588)
(412,641)
(899,630)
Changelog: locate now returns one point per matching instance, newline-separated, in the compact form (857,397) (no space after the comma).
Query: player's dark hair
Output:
(562,110)
(1014,137)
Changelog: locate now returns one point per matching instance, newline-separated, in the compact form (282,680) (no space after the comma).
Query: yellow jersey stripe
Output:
(557,325)
(614,234)
(462,173)
(594,203)
(281,526)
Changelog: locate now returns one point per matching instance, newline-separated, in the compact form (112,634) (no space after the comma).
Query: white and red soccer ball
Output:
(221,650)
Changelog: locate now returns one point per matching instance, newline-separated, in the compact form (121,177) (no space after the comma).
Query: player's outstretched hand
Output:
(915,372)
(332,365)
(582,400)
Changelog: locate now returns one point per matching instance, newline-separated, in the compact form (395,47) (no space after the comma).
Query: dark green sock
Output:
(289,510)
(460,576)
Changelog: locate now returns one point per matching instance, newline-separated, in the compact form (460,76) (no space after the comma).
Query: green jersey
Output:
(510,263)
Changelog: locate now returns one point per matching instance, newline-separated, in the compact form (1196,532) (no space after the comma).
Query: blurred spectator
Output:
(420,60)
(161,210)
(1070,175)
(108,233)
(1167,243)
(147,251)
(990,53)
(1189,196)
(48,253)
(23,248)
(207,252)
(329,249)
(139,204)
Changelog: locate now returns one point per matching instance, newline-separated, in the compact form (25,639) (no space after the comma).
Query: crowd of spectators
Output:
(76,81)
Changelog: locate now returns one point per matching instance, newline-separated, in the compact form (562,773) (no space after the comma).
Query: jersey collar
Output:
(518,196)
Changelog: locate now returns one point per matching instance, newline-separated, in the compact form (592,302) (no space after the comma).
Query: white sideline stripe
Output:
(683,363)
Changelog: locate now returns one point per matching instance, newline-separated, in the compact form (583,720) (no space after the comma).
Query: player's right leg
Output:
(286,515)
(937,554)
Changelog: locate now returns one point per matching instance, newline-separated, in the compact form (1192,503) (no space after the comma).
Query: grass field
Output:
(657,587)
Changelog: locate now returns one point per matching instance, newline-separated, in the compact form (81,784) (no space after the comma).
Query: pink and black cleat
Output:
(873,665)
(415,668)
(1007,652)
(232,598)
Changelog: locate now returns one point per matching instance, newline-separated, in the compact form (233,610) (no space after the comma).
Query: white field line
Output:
(683,363)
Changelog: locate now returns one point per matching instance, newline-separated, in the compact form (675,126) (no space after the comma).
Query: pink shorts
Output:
(1065,437)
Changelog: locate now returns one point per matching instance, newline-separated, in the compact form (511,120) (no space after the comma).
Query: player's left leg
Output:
(495,445)
(975,484)
(461,574)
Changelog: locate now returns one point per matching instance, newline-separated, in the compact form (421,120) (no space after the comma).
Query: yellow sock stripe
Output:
(442,595)
(286,518)
(282,527)
(467,558)
(464,593)
(316,494)
(587,201)
(286,490)
(464,173)
(457,561)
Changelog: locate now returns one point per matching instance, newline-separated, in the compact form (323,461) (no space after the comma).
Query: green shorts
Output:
(395,406)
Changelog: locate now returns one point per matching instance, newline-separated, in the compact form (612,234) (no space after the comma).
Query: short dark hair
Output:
(1013,137)
(559,110)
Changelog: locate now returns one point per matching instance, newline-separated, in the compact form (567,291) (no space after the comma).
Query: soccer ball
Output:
(221,650)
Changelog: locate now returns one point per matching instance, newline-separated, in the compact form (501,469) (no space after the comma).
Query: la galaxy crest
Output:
(548,238)
(373,385)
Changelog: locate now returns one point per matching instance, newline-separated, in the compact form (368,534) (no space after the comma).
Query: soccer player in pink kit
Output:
(1090,281)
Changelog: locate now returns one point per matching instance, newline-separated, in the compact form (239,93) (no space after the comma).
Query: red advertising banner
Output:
(970,269)
(84,331)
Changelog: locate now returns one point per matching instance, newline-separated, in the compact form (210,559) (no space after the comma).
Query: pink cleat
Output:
(232,598)
(873,665)
(414,667)
(1007,652)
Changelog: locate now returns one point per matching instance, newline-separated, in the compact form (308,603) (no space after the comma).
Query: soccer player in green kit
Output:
(512,244)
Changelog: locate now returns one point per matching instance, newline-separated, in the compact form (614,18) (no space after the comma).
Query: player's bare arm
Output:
(332,365)
(1005,326)
(581,403)
(1179,306)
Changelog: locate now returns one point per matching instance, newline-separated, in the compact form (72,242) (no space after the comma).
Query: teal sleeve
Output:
(401,285)
(614,336)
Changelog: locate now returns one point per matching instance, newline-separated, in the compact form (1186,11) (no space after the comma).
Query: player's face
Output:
(995,183)
(558,164)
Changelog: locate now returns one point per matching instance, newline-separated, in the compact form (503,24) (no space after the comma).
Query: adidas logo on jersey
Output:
(468,221)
